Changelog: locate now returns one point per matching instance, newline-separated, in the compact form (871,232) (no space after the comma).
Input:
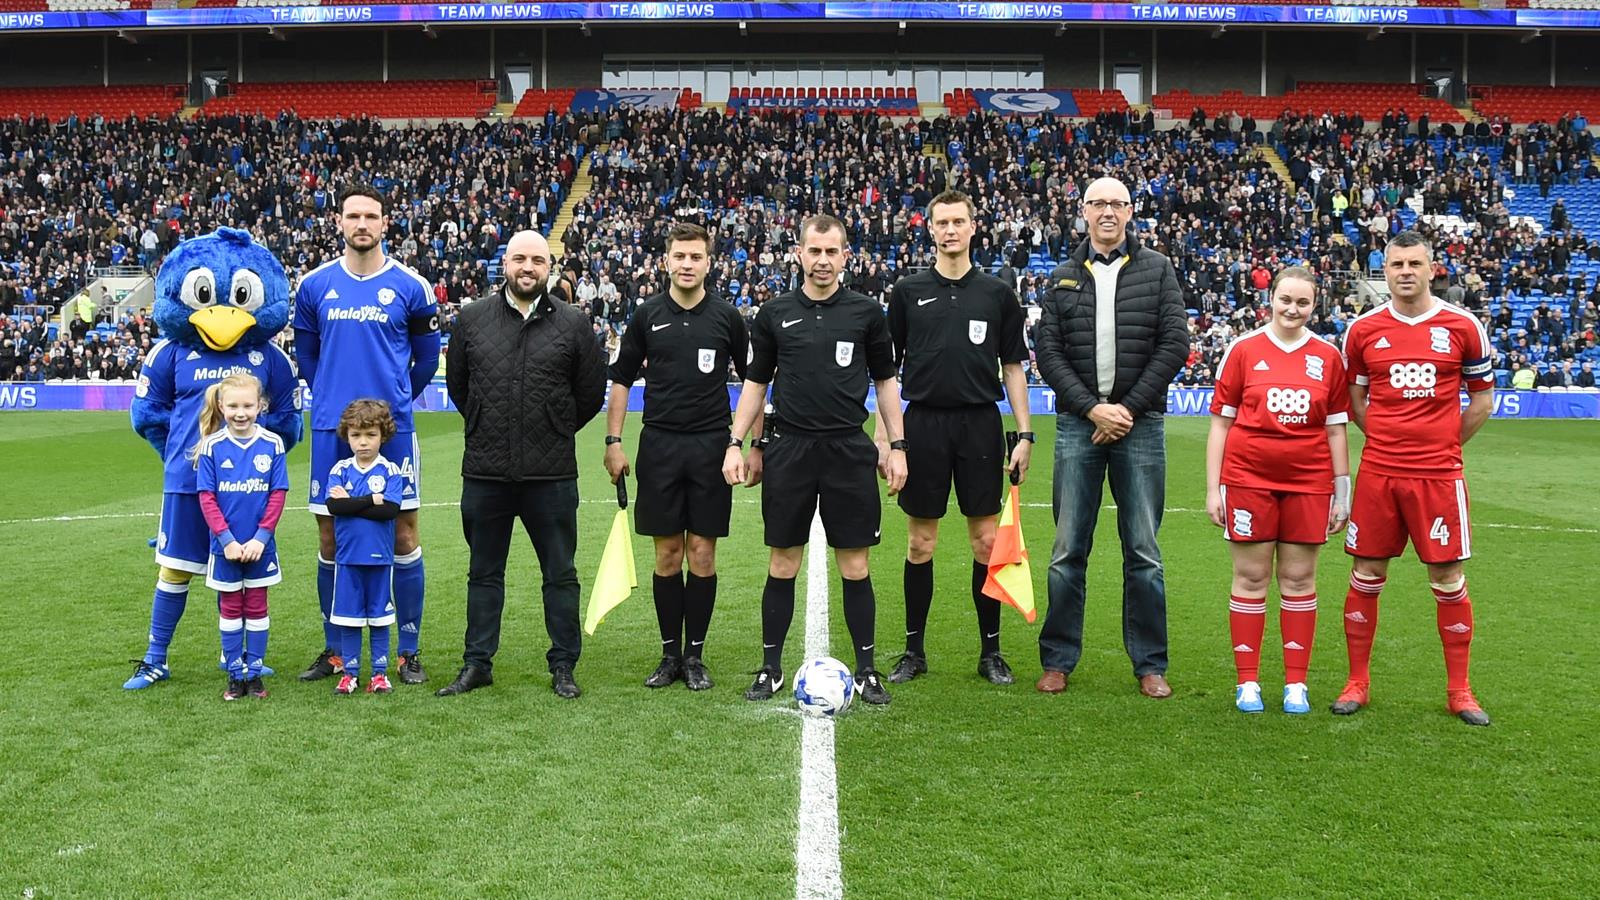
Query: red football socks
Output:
(1297,616)
(1247,622)
(1361,623)
(1455,632)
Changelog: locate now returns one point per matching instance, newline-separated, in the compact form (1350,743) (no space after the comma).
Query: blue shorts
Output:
(224,575)
(183,541)
(362,595)
(402,450)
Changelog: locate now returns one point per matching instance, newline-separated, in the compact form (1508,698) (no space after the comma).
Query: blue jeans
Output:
(1138,467)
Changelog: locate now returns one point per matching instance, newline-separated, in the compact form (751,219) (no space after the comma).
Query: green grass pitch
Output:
(957,789)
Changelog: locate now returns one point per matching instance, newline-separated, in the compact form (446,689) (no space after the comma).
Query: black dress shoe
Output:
(468,679)
(561,682)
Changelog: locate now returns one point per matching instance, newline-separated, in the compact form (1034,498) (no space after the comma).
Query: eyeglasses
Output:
(1103,205)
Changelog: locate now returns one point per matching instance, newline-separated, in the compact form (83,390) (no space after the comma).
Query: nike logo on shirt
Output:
(659,327)
(791,322)
(926,301)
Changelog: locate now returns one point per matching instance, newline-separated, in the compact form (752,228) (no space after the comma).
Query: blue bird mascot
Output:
(219,301)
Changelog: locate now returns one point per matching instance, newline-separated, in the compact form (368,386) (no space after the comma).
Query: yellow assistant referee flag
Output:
(1010,577)
(617,576)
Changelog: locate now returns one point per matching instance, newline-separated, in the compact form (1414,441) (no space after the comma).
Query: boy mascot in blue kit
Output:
(219,301)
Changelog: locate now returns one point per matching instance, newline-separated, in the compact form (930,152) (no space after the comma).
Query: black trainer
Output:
(562,683)
(328,662)
(410,669)
(992,666)
(909,666)
(694,674)
(871,688)
(670,670)
(236,689)
(769,681)
(255,688)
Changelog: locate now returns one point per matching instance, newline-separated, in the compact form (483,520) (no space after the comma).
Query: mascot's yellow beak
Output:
(221,326)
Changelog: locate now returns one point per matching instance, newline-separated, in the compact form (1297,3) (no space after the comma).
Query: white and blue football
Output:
(824,687)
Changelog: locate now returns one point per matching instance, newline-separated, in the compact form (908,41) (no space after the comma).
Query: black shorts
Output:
(964,444)
(839,469)
(680,484)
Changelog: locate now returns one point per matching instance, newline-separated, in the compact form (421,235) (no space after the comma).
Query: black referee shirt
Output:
(687,351)
(824,353)
(951,336)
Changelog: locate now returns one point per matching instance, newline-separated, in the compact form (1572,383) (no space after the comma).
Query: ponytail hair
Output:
(211,409)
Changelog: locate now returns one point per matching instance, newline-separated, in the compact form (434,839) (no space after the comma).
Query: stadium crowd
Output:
(81,195)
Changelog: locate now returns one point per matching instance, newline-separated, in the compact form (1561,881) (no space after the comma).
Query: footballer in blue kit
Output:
(361,498)
(367,327)
(219,300)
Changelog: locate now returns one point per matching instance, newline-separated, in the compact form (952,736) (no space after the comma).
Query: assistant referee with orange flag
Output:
(957,331)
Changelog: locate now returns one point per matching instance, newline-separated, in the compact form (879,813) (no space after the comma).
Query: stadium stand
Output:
(1203,195)
(117,101)
(1533,103)
(382,99)
(1370,100)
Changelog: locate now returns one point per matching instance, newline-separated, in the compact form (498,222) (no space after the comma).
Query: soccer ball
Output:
(824,687)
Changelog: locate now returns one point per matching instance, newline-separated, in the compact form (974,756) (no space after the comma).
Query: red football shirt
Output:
(1281,397)
(1414,371)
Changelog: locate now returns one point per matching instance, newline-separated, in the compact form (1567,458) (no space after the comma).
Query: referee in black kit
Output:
(958,332)
(684,339)
(824,342)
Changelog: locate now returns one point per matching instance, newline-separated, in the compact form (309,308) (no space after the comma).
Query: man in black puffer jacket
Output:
(525,371)
(1113,335)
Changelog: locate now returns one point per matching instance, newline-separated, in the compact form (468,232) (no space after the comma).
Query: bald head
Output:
(1107,208)
(1106,188)
(527,265)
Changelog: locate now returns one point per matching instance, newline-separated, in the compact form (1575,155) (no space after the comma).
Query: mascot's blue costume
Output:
(219,301)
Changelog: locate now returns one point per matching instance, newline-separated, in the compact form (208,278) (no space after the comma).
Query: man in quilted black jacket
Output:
(526,373)
(1113,335)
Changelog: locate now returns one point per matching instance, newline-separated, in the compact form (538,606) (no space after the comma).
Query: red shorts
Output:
(1432,513)
(1257,516)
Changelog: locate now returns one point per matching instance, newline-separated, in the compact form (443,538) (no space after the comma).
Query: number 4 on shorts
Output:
(1440,532)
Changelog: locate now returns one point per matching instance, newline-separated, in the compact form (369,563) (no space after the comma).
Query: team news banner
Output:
(1042,13)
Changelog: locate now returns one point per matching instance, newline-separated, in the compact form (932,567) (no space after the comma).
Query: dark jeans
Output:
(1138,468)
(549,514)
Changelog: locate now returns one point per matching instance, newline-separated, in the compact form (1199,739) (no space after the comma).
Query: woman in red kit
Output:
(1278,479)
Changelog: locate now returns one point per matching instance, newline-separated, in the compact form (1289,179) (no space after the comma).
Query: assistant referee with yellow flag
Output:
(683,340)
(958,333)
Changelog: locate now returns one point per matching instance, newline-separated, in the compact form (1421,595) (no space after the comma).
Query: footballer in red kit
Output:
(1278,479)
(1409,362)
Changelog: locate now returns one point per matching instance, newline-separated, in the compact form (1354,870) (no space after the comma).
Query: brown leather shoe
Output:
(1154,686)
(1052,682)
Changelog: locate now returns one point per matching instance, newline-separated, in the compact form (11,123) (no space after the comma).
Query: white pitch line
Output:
(816,847)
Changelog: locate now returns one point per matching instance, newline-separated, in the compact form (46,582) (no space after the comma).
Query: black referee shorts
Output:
(680,484)
(964,444)
(837,469)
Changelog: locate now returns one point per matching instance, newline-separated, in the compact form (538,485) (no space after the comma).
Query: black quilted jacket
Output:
(1152,333)
(524,388)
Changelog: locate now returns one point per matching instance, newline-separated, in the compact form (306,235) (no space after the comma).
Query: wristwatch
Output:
(735,442)
(759,444)
(1027,436)
(898,445)
(613,439)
